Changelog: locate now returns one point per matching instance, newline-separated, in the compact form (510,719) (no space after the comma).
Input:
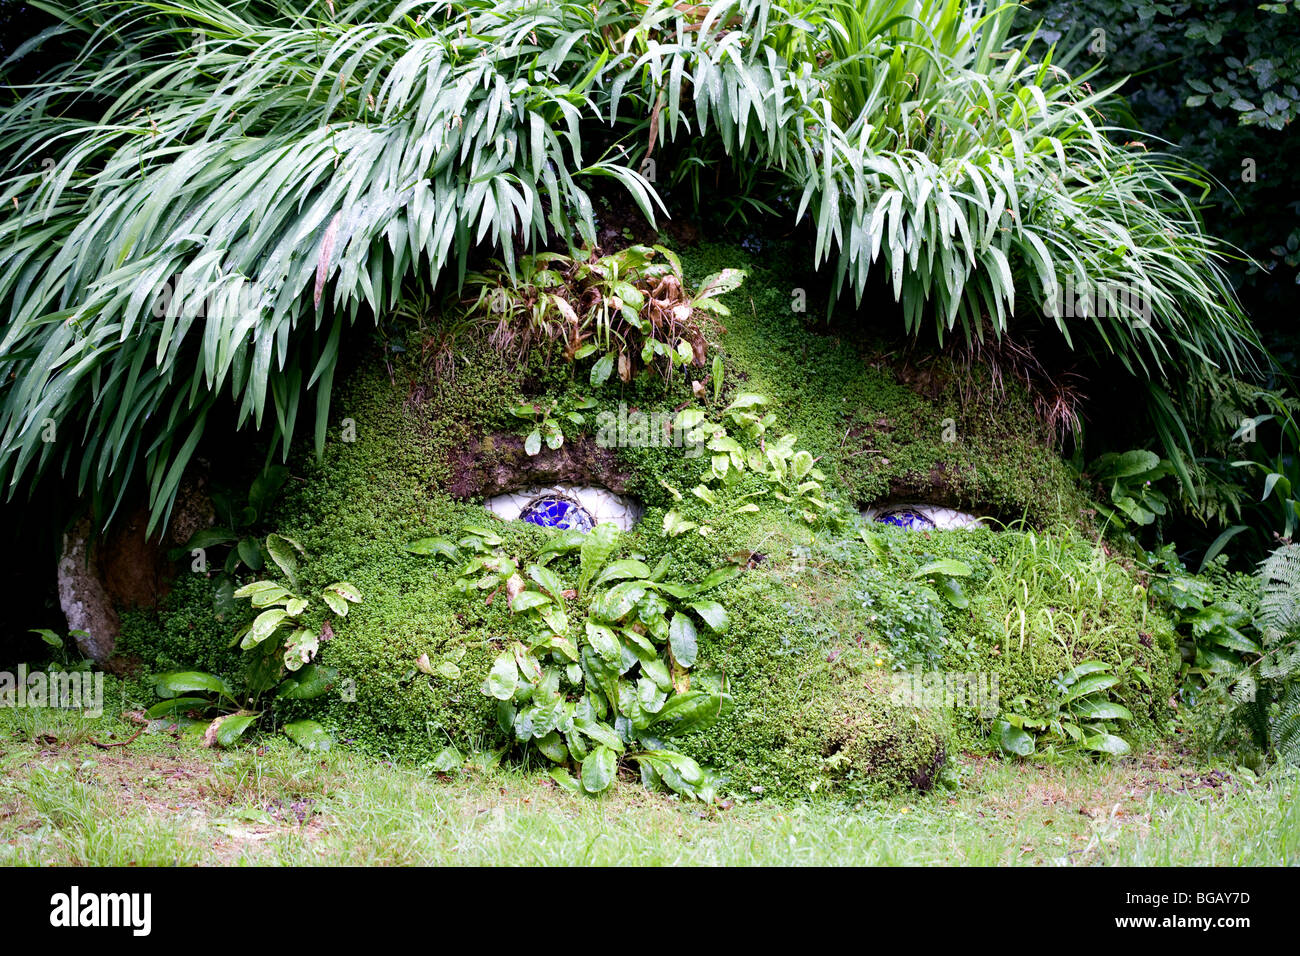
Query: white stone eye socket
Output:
(920,517)
(567,506)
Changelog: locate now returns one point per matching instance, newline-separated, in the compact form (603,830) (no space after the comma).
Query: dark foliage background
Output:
(1220,80)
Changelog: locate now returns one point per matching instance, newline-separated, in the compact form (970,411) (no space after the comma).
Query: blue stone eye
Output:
(906,518)
(553,512)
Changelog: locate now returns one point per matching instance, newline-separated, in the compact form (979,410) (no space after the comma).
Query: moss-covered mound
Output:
(823,620)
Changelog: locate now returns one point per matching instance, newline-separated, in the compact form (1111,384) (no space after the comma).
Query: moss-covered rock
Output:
(818,621)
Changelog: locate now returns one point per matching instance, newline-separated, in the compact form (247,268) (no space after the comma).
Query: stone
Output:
(124,567)
(600,504)
(498,464)
(84,598)
(940,518)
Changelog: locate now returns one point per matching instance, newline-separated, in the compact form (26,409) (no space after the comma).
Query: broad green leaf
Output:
(503,678)
(308,683)
(1107,743)
(282,551)
(947,566)
(175,683)
(232,727)
(440,546)
(527,600)
(682,640)
(604,641)
(599,769)
(712,613)
(263,626)
(618,570)
(309,735)
(600,371)
(1015,740)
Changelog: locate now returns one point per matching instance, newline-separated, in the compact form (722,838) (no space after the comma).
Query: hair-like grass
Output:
(289,165)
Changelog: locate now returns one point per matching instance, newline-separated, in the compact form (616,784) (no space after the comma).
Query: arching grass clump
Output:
(233,185)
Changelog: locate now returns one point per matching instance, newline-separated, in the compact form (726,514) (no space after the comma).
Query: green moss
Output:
(879,417)
(810,715)
(183,634)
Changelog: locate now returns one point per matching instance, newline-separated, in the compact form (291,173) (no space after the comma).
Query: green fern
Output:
(1264,697)
(1279,608)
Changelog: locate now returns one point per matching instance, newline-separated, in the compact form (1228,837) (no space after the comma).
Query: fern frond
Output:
(1279,610)
(1286,726)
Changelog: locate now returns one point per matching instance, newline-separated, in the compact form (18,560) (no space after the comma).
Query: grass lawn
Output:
(164,800)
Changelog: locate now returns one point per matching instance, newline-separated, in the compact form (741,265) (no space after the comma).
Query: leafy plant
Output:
(1133,477)
(547,422)
(945,576)
(1264,695)
(1221,81)
(1279,465)
(60,645)
(630,308)
(1079,714)
(604,673)
(280,651)
(738,443)
(237,521)
(1216,631)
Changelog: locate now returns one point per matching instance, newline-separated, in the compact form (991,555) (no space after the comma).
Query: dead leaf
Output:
(326,254)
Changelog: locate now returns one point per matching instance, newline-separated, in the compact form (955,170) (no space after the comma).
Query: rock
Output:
(84,598)
(498,464)
(123,568)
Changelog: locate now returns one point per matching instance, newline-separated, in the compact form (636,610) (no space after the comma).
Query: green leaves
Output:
(281,652)
(175,683)
(682,640)
(439,546)
(339,595)
(712,613)
(226,731)
(503,678)
(1080,715)
(599,769)
(600,372)
(309,683)
(944,575)
(620,684)
(284,552)
(1133,478)
(1012,739)
(594,551)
